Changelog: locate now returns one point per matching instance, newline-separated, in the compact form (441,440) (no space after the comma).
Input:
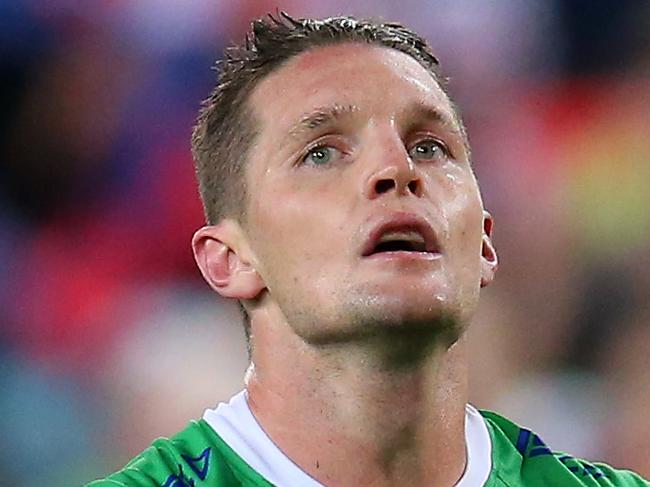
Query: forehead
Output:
(380,81)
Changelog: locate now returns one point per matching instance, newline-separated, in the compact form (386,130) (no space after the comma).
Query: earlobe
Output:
(489,258)
(222,266)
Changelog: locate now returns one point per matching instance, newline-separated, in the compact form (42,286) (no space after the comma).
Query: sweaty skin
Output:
(358,369)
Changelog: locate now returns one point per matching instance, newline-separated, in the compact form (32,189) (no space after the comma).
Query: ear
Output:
(489,259)
(218,251)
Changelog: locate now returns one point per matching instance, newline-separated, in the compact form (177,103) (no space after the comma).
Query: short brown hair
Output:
(226,128)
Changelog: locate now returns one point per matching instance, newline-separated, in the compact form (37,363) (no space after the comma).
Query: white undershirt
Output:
(235,424)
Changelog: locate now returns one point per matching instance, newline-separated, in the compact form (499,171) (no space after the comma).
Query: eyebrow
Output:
(452,122)
(320,117)
(418,112)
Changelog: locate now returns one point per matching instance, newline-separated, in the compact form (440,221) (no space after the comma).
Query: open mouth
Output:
(410,241)
(413,236)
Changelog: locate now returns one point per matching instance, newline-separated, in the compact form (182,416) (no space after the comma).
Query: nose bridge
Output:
(391,168)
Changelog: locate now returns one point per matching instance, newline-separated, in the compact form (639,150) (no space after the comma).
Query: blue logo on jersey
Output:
(199,466)
(576,466)
(580,467)
(524,439)
(179,480)
(194,463)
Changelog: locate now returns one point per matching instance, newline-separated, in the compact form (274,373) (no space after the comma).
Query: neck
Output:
(366,411)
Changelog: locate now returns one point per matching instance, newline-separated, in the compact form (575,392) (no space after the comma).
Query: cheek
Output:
(464,216)
(468,236)
(295,229)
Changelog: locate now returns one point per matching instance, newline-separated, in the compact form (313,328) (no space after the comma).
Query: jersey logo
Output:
(194,463)
(523,440)
(577,467)
(580,467)
(179,480)
(199,466)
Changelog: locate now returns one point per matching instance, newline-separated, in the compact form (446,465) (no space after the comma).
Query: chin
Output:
(395,313)
(371,310)
(429,297)
(415,313)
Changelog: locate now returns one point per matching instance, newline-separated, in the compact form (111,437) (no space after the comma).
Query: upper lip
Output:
(402,222)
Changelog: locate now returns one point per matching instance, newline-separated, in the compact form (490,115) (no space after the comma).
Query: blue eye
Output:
(428,150)
(320,156)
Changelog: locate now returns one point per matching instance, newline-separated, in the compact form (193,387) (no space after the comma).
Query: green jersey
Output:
(227,448)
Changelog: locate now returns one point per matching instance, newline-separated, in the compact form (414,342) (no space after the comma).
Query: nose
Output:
(396,174)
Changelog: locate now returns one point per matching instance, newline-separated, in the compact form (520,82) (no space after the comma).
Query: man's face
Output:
(363,208)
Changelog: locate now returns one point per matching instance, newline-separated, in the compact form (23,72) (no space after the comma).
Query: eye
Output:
(321,155)
(429,149)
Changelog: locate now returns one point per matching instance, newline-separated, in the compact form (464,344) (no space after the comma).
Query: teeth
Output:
(409,236)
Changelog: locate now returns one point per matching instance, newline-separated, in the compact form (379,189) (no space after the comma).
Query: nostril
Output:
(384,185)
(414,187)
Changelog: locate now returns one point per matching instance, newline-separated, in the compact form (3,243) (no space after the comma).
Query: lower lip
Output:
(405,255)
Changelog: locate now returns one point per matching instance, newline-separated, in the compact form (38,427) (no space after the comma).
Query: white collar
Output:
(235,424)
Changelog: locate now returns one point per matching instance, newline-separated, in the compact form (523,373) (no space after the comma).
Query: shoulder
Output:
(520,457)
(194,457)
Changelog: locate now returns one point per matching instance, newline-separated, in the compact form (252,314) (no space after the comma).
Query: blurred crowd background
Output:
(110,338)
